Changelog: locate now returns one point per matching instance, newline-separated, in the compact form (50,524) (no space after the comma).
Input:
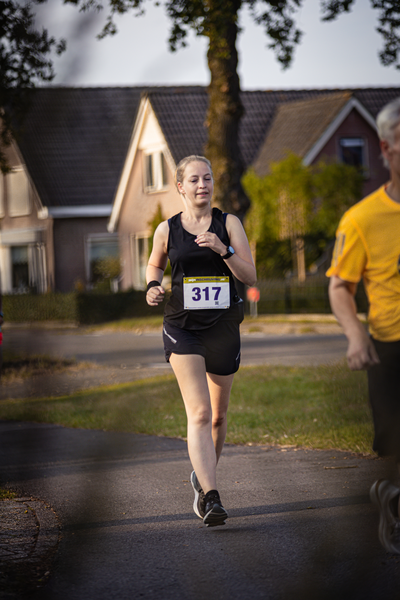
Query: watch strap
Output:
(228,254)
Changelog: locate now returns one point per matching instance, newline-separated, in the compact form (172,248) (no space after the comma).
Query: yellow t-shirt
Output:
(368,246)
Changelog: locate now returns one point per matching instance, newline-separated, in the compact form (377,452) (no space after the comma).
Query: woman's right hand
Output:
(155,295)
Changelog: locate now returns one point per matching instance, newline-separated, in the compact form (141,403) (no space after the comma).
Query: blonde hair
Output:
(180,169)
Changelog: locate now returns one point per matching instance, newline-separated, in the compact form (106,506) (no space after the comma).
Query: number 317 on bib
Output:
(206,292)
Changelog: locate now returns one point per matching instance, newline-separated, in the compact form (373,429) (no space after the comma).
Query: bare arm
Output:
(241,263)
(361,353)
(157,263)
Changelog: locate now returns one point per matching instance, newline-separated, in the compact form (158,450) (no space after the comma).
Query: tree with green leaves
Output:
(336,187)
(291,182)
(297,202)
(271,255)
(24,62)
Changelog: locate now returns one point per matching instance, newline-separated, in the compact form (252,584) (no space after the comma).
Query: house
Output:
(56,202)
(315,124)
(333,126)
(93,166)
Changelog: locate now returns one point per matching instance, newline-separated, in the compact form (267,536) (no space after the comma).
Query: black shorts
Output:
(218,344)
(384,396)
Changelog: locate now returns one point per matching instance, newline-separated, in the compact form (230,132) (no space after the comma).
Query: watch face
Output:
(231,250)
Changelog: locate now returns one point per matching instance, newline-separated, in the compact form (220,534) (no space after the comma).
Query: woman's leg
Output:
(220,388)
(190,372)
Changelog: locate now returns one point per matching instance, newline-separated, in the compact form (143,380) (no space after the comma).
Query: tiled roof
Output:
(75,140)
(181,114)
(297,126)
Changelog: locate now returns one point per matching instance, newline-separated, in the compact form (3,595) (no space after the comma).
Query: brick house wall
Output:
(70,249)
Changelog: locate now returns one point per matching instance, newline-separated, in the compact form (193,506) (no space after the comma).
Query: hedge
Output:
(99,308)
(80,307)
(25,308)
(85,308)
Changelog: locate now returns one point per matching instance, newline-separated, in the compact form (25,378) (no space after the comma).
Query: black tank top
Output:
(187,259)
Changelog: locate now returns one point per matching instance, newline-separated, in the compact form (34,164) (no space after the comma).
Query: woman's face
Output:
(197,185)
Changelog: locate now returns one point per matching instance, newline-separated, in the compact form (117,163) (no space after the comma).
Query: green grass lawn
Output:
(322,407)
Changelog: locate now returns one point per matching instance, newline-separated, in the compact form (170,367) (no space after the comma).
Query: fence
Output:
(288,296)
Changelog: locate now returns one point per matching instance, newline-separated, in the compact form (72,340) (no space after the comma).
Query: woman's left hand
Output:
(210,240)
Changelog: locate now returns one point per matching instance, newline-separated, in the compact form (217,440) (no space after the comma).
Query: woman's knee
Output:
(201,417)
(219,420)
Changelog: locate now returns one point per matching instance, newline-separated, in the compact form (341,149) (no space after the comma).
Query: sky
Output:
(342,53)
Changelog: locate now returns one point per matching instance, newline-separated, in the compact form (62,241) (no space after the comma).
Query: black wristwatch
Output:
(230,252)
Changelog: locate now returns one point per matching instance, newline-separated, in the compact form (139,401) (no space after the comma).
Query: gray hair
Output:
(387,120)
(180,169)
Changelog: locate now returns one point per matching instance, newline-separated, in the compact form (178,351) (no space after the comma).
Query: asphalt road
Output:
(300,525)
(146,350)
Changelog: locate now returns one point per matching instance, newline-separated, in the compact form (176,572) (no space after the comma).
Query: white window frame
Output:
(159,171)
(35,240)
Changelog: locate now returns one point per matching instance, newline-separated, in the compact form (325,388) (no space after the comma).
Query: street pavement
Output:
(128,350)
(300,522)
(104,515)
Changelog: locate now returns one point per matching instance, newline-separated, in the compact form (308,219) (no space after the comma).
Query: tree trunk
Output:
(225,108)
(301,262)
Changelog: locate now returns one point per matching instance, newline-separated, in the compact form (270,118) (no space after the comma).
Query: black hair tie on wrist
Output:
(151,284)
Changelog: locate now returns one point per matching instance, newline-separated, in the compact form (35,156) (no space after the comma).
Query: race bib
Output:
(206,292)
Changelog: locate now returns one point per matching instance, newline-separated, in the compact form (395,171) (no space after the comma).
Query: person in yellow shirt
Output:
(368,247)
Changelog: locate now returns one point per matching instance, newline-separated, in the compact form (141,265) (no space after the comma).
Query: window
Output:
(18,194)
(23,262)
(163,170)
(20,269)
(140,257)
(149,159)
(155,175)
(103,259)
(352,152)
(28,268)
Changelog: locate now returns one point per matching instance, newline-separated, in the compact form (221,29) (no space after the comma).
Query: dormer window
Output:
(155,172)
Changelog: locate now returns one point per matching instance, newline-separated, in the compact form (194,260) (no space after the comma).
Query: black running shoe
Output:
(383,494)
(215,514)
(198,504)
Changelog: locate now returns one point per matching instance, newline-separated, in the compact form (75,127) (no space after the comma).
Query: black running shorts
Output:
(219,345)
(384,396)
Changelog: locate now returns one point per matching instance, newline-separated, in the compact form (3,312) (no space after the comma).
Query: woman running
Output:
(201,319)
